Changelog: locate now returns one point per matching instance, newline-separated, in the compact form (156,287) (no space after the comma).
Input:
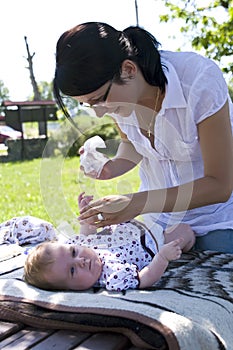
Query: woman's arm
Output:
(126,159)
(215,137)
(154,271)
(215,186)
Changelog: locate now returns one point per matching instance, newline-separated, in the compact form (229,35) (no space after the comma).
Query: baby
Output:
(129,258)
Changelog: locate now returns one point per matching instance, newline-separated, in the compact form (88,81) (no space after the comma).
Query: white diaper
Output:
(91,160)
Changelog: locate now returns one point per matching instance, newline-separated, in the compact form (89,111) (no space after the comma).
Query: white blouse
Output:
(196,90)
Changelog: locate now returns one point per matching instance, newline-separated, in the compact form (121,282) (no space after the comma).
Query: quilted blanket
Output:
(190,308)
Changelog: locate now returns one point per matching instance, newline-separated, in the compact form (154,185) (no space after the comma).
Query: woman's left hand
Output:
(109,210)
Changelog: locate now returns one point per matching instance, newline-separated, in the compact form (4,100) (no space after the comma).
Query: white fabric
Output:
(26,229)
(92,160)
(196,89)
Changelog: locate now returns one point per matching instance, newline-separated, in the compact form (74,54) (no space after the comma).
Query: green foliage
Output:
(71,105)
(67,140)
(4,94)
(45,90)
(208,27)
(107,132)
(230,87)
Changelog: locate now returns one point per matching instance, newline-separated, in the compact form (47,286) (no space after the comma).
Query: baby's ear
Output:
(179,241)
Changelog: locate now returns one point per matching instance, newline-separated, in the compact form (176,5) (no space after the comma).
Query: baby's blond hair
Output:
(36,265)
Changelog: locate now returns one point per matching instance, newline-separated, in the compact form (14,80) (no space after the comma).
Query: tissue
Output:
(91,160)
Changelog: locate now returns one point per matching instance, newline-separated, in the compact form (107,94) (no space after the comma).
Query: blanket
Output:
(190,308)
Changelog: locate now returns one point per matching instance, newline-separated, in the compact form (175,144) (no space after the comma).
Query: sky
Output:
(42,22)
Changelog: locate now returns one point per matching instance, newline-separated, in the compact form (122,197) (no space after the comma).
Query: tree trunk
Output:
(136,11)
(36,92)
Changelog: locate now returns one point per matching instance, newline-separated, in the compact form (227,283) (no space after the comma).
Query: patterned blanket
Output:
(191,308)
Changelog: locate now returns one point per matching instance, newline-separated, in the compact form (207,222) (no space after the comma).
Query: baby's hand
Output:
(171,250)
(83,200)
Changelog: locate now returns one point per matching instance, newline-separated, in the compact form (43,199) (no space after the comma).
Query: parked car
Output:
(6,132)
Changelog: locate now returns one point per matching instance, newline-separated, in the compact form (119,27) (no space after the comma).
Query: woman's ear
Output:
(128,69)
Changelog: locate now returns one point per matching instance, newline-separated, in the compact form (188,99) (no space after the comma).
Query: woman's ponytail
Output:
(145,53)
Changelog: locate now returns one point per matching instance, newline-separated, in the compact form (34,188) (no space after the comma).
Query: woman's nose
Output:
(100,111)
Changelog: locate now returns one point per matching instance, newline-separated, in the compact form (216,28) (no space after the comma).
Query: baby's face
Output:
(74,267)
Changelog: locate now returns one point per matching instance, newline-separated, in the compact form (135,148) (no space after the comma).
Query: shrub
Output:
(67,140)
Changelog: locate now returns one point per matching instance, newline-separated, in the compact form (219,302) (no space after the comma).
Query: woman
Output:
(173,110)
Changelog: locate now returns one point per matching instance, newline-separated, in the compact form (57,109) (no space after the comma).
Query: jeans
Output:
(218,240)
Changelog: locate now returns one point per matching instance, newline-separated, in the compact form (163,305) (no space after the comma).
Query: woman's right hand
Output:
(125,160)
(104,173)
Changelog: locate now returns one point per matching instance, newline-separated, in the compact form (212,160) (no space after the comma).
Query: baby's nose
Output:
(82,262)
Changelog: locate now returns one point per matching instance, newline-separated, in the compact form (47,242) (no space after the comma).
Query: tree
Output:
(45,90)
(230,86)
(136,12)
(210,27)
(4,94)
(32,76)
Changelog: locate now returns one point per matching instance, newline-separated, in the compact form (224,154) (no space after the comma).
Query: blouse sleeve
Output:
(124,277)
(209,90)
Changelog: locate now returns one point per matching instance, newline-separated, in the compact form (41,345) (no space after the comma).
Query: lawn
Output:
(48,188)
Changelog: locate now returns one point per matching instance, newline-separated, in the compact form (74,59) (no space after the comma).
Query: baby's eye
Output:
(73,252)
(72,271)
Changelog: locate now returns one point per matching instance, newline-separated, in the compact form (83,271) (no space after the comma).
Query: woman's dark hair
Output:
(90,54)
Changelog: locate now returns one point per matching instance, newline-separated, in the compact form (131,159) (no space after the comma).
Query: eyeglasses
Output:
(103,100)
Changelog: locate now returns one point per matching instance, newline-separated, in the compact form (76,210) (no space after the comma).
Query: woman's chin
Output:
(123,111)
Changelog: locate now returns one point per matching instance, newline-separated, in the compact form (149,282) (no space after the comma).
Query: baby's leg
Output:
(183,231)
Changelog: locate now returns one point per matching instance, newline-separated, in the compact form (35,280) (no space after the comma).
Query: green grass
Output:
(49,188)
